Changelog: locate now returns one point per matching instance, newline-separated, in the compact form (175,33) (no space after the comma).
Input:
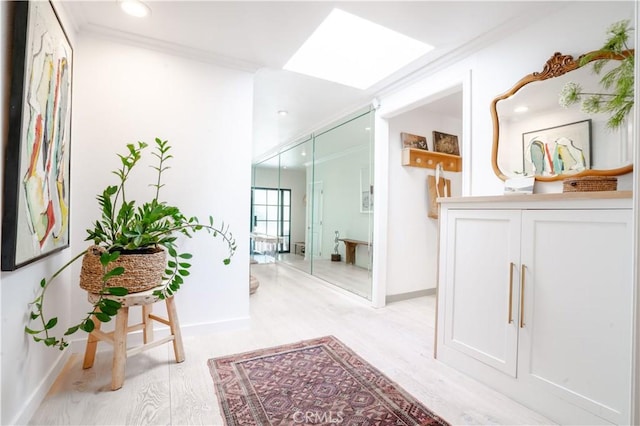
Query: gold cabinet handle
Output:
(522,295)
(511,266)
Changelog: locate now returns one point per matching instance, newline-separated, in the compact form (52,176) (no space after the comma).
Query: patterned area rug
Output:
(318,381)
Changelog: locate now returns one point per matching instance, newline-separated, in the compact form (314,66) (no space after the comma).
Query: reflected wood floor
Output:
(352,278)
(288,307)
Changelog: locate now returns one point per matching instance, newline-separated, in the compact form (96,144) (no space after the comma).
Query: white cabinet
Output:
(482,251)
(535,300)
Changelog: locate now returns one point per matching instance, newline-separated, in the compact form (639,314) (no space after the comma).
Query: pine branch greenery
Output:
(617,83)
(124,226)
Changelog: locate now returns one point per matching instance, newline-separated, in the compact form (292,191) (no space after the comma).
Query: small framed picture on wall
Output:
(413,141)
(445,143)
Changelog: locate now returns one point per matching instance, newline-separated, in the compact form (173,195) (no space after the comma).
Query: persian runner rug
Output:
(318,381)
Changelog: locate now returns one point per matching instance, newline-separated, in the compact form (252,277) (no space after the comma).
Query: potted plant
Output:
(127,228)
(617,82)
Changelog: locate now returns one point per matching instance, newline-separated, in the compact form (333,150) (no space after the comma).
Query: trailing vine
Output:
(123,227)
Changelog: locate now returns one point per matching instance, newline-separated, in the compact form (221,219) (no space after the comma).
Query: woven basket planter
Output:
(590,183)
(142,271)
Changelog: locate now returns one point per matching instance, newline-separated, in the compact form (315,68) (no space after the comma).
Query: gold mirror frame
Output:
(556,66)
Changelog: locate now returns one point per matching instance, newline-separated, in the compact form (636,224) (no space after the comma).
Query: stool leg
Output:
(147,331)
(178,349)
(92,345)
(119,348)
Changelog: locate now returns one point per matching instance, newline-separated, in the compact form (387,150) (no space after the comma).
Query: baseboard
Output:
(37,396)
(189,330)
(410,295)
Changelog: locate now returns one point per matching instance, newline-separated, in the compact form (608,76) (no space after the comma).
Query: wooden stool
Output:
(118,337)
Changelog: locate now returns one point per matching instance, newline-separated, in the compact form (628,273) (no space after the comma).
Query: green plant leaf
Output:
(183,272)
(185,265)
(50,341)
(31,331)
(117,291)
(71,330)
(185,256)
(119,270)
(111,303)
(103,317)
(88,326)
(51,323)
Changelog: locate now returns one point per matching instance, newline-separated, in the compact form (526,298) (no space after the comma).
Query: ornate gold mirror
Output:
(552,142)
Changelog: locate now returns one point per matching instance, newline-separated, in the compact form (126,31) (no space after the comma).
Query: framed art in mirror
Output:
(35,221)
(557,150)
(516,153)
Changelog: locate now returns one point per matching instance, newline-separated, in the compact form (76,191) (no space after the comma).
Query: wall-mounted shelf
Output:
(429,159)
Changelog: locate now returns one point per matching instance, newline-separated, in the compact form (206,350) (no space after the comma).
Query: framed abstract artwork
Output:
(559,150)
(35,217)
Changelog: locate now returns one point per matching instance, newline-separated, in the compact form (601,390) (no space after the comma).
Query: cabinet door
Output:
(575,339)
(481,255)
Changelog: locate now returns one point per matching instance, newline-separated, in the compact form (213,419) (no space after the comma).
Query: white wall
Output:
(296,181)
(577,28)
(340,179)
(123,94)
(411,242)
(28,369)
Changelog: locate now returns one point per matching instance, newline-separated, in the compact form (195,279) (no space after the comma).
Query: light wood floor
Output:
(352,278)
(288,307)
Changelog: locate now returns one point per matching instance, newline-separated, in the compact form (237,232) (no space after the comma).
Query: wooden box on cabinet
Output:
(429,159)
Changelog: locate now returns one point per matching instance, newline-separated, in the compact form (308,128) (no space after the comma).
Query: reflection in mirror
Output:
(295,166)
(312,206)
(535,135)
(265,211)
(342,206)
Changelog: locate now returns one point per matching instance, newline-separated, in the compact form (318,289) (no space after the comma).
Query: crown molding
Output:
(168,47)
(468,49)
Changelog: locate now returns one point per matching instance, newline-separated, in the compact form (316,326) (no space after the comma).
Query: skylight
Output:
(355,52)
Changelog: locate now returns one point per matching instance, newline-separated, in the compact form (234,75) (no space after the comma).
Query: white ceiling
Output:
(261,36)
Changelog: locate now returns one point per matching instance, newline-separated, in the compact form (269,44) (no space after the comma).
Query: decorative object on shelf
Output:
(558,150)
(519,185)
(445,143)
(590,183)
(617,82)
(126,228)
(35,219)
(437,186)
(414,141)
(429,159)
(335,256)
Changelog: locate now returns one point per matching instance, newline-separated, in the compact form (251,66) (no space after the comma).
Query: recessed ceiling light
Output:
(135,8)
(355,52)
(304,154)
(521,109)
(283,112)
